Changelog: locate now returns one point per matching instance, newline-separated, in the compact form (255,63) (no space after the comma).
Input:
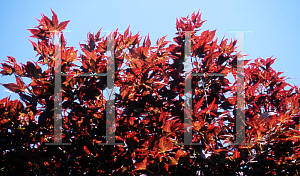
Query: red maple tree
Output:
(149,109)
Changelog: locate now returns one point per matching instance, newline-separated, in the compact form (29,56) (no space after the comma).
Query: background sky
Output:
(275,25)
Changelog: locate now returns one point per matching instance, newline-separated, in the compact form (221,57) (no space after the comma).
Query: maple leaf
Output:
(141,166)
(232,100)
(161,43)
(162,115)
(125,92)
(158,85)
(12,87)
(126,33)
(180,153)
(211,106)
(7,69)
(198,125)
(236,154)
(91,55)
(58,27)
(32,70)
(62,25)
(173,161)
(20,83)
(164,145)
(137,71)
(166,127)
(54,20)
(199,104)
(147,143)
(69,55)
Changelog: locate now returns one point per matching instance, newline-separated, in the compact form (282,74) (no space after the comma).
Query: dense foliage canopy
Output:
(149,109)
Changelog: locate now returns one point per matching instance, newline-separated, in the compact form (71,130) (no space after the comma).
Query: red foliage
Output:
(150,109)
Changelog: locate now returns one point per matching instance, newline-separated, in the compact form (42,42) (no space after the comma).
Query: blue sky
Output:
(275,25)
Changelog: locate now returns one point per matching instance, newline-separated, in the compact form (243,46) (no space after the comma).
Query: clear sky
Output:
(275,25)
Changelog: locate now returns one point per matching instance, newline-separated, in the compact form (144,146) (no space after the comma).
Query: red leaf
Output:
(45,22)
(12,87)
(34,31)
(211,113)
(161,43)
(141,166)
(20,83)
(11,59)
(35,47)
(91,55)
(131,120)
(86,150)
(210,127)
(137,71)
(85,64)
(146,144)
(165,145)
(258,96)
(7,69)
(54,20)
(198,125)
(126,33)
(159,85)
(173,161)
(98,35)
(161,116)
(167,167)
(236,154)
(167,127)
(3,121)
(211,36)
(147,42)
(188,112)
(211,106)
(232,100)
(32,70)
(62,25)
(262,128)
(198,105)
(180,153)
(125,92)
(246,61)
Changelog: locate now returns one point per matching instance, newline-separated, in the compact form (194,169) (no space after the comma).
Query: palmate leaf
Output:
(236,154)
(164,145)
(161,43)
(125,91)
(6,69)
(173,161)
(31,70)
(55,25)
(166,127)
(62,25)
(162,115)
(12,87)
(198,105)
(20,83)
(198,125)
(126,32)
(180,153)
(211,106)
(141,166)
